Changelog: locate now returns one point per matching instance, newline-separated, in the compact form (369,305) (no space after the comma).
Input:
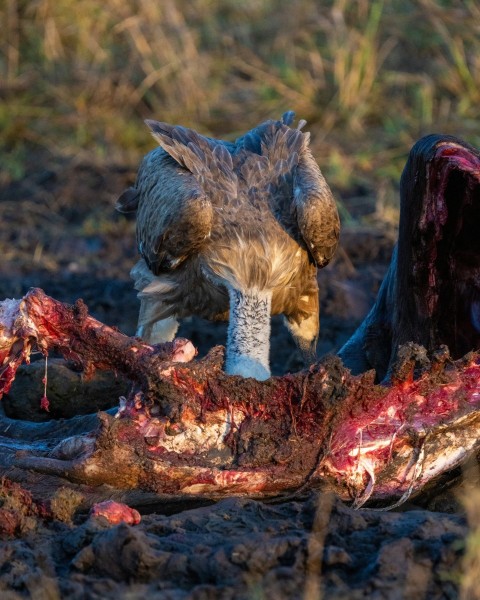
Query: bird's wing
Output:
(174,215)
(208,160)
(317,214)
(267,157)
(280,161)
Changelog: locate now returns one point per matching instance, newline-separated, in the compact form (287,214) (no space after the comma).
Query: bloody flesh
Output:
(191,429)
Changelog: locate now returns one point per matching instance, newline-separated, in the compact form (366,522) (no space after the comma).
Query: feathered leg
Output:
(248,340)
(305,329)
(150,328)
(305,335)
(156,324)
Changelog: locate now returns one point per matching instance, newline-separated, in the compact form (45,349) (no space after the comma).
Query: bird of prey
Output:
(232,231)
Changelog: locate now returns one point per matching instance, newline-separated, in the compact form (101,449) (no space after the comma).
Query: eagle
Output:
(232,231)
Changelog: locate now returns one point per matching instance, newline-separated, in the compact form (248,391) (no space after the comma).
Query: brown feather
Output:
(256,214)
(128,201)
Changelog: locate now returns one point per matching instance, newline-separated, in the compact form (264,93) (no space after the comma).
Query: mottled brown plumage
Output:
(232,230)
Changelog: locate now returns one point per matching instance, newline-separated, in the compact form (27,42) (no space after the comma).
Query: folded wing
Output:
(300,196)
(174,215)
(317,214)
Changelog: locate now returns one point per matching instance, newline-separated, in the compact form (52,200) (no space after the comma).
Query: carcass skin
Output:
(188,430)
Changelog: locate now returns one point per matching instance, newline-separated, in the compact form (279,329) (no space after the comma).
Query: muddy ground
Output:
(59,232)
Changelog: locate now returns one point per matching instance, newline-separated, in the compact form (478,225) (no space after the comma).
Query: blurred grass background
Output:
(77,78)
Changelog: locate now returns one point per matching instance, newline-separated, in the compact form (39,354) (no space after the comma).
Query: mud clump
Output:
(64,504)
(19,512)
(241,548)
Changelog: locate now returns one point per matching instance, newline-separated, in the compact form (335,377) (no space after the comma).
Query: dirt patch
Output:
(240,548)
(60,232)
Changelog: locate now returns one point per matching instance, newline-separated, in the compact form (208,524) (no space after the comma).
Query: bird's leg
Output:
(150,328)
(305,334)
(248,340)
(159,332)
(304,322)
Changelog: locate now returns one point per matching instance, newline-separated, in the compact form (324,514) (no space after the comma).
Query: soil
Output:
(60,232)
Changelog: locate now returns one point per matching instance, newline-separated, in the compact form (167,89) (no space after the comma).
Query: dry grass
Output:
(316,544)
(369,76)
(470,577)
